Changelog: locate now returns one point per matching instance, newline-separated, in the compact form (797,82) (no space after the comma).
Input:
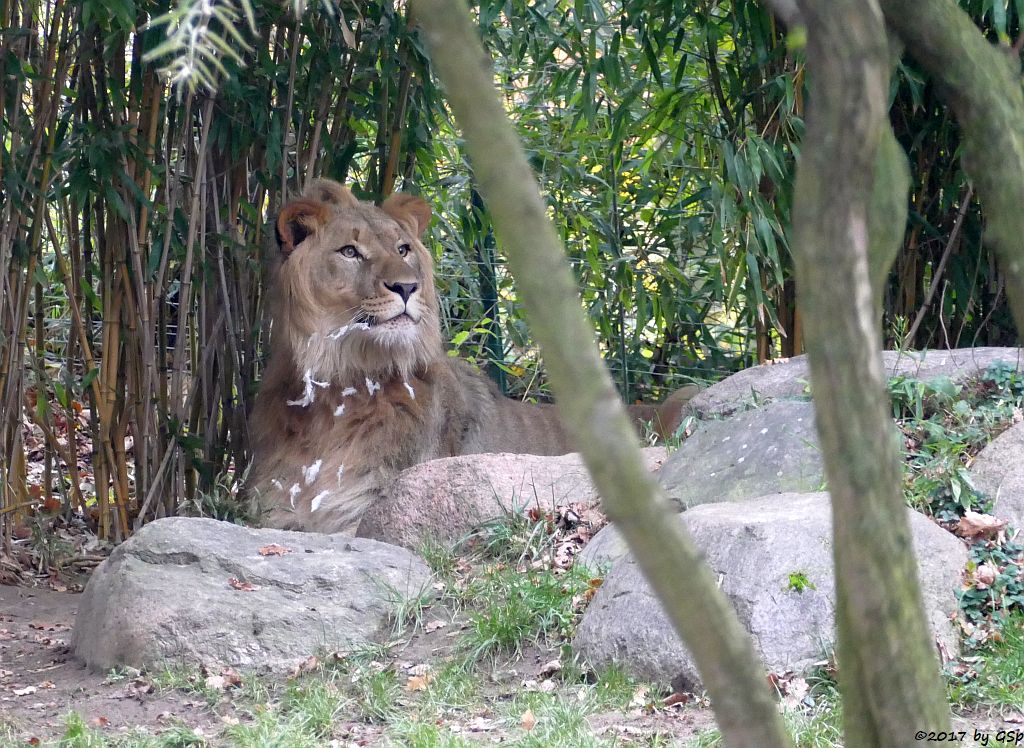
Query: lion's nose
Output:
(405,290)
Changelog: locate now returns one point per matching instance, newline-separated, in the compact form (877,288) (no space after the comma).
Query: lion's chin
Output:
(398,322)
(399,330)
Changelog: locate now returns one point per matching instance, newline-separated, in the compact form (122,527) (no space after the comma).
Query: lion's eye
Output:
(404,249)
(349,251)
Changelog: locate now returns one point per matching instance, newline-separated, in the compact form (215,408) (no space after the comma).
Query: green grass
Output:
(996,674)
(271,729)
(820,727)
(412,733)
(512,608)
(374,692)
(77,734)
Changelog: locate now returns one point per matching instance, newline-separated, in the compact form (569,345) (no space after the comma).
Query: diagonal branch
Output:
(589,406)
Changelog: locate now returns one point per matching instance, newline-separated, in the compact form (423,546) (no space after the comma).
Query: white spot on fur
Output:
(410,390)
(344,329)
(348,392)
(310,472)
(294,491)
(372,386)
(340,410)
(315,504)
(308,393)
(276,484)
(341,470)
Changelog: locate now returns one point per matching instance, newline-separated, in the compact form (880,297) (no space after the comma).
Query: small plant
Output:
(408,609)
(374,689)
(222,501)
(798,582)
(79,735)
(314,703)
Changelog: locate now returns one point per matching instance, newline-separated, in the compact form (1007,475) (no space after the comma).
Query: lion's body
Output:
(359,386)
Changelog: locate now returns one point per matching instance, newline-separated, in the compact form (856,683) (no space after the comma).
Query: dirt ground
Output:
(41,683)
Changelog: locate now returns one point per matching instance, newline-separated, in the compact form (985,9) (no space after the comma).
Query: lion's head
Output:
(354,285)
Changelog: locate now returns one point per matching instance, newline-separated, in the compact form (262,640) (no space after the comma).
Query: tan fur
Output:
(315,470)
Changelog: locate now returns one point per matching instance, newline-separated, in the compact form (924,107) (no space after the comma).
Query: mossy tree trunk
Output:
(589,404)
(982,83)
(851,183)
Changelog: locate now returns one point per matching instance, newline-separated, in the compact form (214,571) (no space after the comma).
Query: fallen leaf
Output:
(434,625)
(550,668)
(274,550)
(308,665)
(238,584)
(480,724)
(677,698)
(26,691)
(216,682)
(985,575)
(99,721)
(977,525)
(419,682)
(528,720)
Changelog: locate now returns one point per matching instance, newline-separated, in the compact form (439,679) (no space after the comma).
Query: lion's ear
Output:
(297,220)
(409,210)
(330,192)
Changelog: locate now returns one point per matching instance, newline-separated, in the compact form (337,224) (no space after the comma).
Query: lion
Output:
(359,385)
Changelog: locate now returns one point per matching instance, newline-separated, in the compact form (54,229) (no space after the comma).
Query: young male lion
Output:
(359,385)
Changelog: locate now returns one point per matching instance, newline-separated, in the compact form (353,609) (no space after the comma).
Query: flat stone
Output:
(997,472)
(170,594)
(754,547)
(773,449)
(445,499)
(791,377)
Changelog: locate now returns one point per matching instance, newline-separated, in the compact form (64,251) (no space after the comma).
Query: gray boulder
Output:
(762,550)
(445,499)
(997,472)
(198,591)
(791,377)
(773,449)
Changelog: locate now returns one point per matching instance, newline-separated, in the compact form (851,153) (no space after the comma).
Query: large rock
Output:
(754,547)
(444,499)
(790,377)
(773,449)
(996,471)
(171,593)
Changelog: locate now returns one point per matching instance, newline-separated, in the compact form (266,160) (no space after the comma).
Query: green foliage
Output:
(989,605)
(993,674)
(512,608)
(944,425)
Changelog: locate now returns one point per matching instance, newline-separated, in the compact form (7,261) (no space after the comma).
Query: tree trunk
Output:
(983,86)
(590,408)
(847,218)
